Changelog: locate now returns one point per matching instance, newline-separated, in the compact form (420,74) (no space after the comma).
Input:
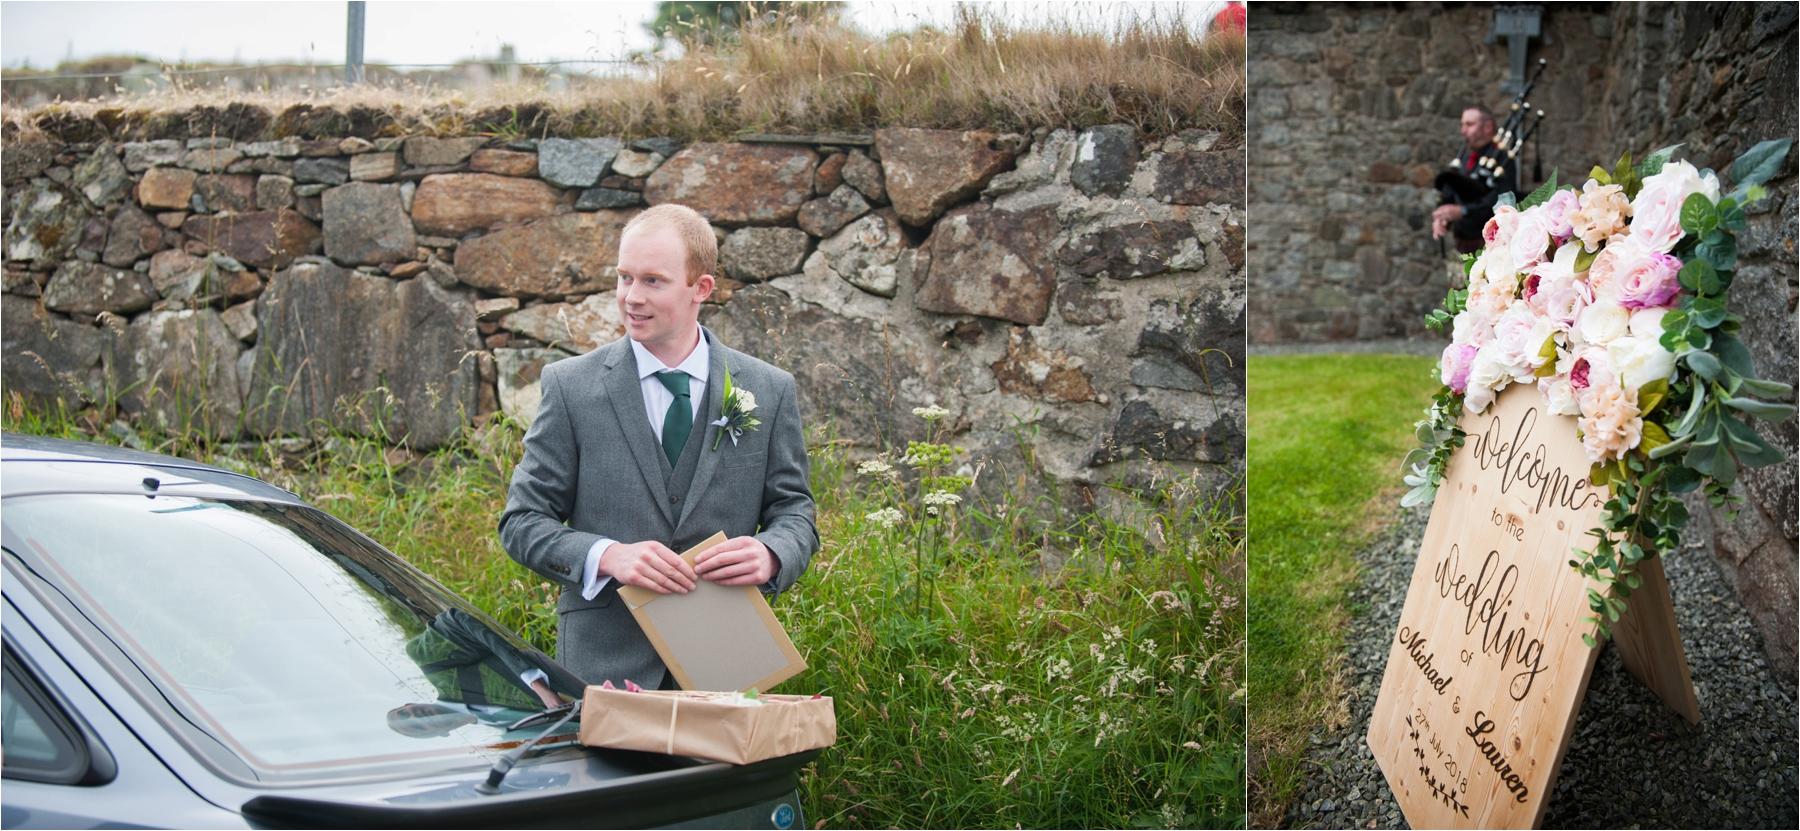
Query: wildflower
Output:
(1010,777)
(931,413)
(1059,668)
(874,467)
(1191,745)
(939,499)
(888,517)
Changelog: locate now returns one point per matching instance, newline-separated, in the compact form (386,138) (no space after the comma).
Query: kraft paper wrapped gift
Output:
(706,725)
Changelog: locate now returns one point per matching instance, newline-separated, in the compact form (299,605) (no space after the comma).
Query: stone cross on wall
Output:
(1518,23)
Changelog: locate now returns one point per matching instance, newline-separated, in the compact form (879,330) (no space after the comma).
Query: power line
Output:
(332,67)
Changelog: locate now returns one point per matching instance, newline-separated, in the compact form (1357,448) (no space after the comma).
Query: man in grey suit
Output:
(625,465)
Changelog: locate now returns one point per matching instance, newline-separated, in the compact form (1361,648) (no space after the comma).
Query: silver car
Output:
(190,647)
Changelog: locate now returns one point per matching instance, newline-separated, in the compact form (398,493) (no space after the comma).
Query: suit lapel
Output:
(627,396)
(715,398)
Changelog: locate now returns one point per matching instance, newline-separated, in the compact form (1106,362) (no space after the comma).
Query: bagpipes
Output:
(1508,142)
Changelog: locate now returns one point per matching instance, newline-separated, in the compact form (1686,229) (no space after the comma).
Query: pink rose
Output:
(1559,213)
(1529,241)
(1648,281)
(1499,227)
(1453,367)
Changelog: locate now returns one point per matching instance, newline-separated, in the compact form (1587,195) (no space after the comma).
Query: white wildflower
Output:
(874,467)
(888,517)
(1059,669)
(931,413)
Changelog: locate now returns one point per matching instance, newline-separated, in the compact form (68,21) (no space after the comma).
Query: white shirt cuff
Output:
(530,675)
(591,581)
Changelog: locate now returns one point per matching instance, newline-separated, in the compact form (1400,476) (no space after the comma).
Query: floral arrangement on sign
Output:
(1611,299)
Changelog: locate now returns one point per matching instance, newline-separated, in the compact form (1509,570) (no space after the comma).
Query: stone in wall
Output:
(518,372)
(48,358)
(504,162)
(576,328)
(101,177)
(927,171)
(575,163)
(91,288)
(1105,158)
(46,224)
(754,254)
(1196,345)
(1128,246)
(870,254)
(350,351)
(992,263)
(454,204)
(567,254)
(737,184)
(427,151)
(26,159)
(1047,374)
(264,239)
(227,192)
(366,224)
(167,187)
(864,174)
(824,217)
(178,371)
(133,234)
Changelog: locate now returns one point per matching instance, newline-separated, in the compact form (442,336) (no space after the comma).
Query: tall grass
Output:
(1104,691)
(781,73)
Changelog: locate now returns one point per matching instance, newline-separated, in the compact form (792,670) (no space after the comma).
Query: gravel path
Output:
(1633,763)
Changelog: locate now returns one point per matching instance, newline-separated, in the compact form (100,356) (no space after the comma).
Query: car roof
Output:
(37,464)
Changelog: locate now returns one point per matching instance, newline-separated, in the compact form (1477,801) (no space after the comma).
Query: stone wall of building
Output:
(1718,78)
(1072,296)
(1353,109)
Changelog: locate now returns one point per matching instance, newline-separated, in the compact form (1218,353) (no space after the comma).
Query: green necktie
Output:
(679,420)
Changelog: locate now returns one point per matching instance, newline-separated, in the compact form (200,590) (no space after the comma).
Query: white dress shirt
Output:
(657,399)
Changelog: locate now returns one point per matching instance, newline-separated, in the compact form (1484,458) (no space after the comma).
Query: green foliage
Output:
(1541,195)
(1070,671)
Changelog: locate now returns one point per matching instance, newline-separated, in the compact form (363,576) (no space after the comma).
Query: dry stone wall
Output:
(1075,297)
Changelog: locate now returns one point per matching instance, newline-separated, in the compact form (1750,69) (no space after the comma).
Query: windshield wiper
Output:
(501,768)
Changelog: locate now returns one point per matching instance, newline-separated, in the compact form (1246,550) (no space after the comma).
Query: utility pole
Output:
(353,46)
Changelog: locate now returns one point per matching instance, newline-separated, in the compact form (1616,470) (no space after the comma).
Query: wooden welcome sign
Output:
(1487,669)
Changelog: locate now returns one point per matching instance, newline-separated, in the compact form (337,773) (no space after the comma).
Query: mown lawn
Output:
(975,685)
(1327,433)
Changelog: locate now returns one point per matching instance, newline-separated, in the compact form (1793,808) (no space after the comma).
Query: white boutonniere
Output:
(737,405)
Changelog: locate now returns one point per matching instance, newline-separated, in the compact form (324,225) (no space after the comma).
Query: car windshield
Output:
(287,637)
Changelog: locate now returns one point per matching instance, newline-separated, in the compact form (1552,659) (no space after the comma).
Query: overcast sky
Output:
(43,32)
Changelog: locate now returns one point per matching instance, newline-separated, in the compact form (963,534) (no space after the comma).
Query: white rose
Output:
(1529,241)
(1648,323)
(1471,327)
(746,400)
(1603,322)
(1656,212)
(1486,376)
(1560,396)
(1638,361)
(1520,335)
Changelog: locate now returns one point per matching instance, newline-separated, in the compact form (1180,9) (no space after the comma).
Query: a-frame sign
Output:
(1486,672)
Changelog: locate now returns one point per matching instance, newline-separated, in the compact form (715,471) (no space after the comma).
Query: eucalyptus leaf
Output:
(1761,409)
(1761,162)
(1508,199)
(1698,216)
(1731,215)
(1708,311)
(1699,277)
(1766,389)
(1653,163)
(1669,448)
(1735,355)
(1720,249)
(1686,427)
(1705,364)
(1682,479)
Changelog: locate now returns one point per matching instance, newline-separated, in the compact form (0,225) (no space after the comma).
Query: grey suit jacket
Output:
(592,467)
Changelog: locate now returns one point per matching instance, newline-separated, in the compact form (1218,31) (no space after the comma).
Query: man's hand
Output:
(1443,217)
(739,561)
(648,565)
